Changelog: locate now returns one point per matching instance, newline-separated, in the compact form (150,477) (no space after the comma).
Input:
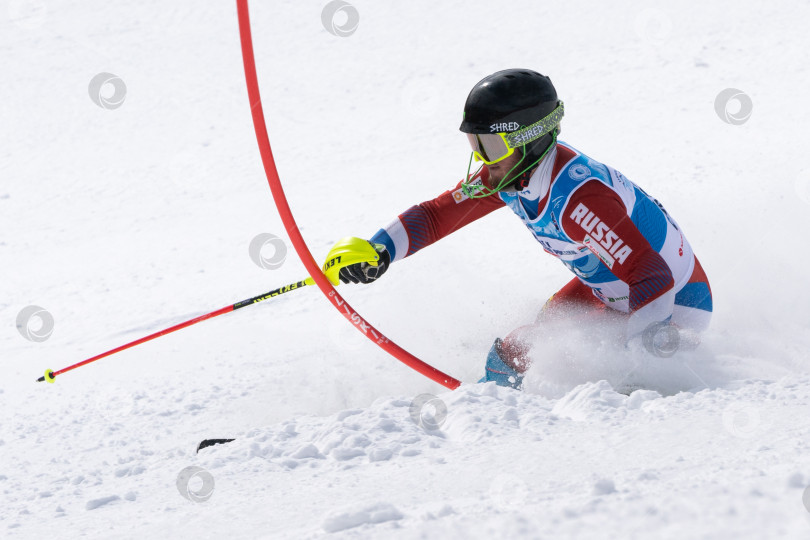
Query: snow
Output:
(123,221)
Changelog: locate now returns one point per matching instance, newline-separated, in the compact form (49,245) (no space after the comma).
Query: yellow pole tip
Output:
(49,376)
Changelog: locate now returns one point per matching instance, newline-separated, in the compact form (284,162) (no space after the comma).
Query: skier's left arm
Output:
(596,217)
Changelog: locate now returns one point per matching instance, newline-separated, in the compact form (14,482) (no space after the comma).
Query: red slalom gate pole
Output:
(292,228)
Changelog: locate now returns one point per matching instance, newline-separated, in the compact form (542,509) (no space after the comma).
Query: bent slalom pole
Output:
(346,252)
(285,213)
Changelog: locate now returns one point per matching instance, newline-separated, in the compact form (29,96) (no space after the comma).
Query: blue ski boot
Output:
(498,371)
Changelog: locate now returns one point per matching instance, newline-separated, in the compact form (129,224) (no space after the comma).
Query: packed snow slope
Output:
(124,220)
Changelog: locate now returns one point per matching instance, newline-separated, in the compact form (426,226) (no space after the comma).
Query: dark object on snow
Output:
(211,442)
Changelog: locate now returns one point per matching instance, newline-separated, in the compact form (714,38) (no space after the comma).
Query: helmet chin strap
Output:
(520,181)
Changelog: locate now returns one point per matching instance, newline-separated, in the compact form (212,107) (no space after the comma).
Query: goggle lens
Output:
(489,147)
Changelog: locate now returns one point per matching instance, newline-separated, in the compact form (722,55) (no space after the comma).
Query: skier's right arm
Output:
(423,224)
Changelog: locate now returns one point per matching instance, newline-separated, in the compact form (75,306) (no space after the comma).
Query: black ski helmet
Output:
(509,100)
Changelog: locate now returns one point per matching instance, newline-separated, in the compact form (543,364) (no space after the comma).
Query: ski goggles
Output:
(494,147)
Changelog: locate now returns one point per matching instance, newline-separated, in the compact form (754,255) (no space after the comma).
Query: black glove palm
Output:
(364,272)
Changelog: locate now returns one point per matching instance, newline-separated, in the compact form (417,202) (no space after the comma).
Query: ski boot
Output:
(497,370)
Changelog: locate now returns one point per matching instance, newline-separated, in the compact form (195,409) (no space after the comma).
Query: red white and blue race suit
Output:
(626,251)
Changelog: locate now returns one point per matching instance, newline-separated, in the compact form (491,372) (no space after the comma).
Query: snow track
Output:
(499,460)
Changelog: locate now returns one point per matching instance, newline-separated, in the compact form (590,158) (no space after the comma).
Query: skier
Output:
(630,258)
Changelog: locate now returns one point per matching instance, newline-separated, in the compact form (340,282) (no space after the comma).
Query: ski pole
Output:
(346,252)
(51,375)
